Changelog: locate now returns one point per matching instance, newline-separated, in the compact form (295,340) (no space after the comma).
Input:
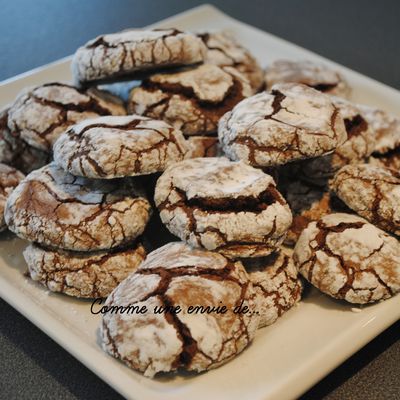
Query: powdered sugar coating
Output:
(192,100)
(114,146)
(372,192)
(56,209)
(40,114)
(223,50)
(315,75)
(360,143)
(385,126)
(276,282)
(219,178)
(81,274)
(225,206)
(17,153)
(153,343)
(9,179)
(124,53)
(293,122)
(348,258)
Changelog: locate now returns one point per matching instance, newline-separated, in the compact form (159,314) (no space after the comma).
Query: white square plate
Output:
(285,358)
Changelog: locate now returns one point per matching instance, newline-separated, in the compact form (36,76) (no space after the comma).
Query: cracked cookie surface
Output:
(223,50)
(193,100)
(372,192)
(124,53)
(276,282)
(221,205)
(82,274)
(315,75)
(114,146)
(348,258)
(360,143)
(39,115)
(54,208)
(293,122)
(17,153)
(9,180)
(177,275)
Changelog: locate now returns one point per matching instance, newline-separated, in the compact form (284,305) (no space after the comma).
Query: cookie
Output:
(291,123)
(316,75)
(385,126)
(39,115)
(125,53)
(357,148)
(221,205)
(391,159)
(177,275)
(308,203)
(372,192)
(113,146)
(203,146)
(81,274)
(348,258)
(192,101)
(9,179)
(223,50)
(54,208)
(17,153)
(276,282)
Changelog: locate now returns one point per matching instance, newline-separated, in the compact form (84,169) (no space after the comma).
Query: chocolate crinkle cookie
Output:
(177,275)
(292,122)
(82,274)
(39,115)
(348,258)
(313,74)
(9,180)
(193,100)
(118,146)
(276,282)
(360,143)
(54,208)
(223,50)
(17,153)
(221,205)
(385,126)
(372,192)
(131,51)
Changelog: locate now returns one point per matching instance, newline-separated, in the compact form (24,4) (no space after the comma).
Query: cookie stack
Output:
(343,255)
(82,230)
(227,164)
(85,211)
(237,208)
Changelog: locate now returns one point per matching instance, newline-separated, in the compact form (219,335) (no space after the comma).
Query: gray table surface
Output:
(361,35)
